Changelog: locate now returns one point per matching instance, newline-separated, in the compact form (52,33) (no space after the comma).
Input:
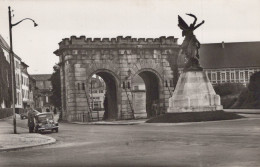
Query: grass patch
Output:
(194,117)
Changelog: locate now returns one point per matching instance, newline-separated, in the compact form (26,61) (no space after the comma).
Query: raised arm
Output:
(195,18)
(199,24)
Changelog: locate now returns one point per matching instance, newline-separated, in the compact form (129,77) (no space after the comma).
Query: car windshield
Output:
(42,118)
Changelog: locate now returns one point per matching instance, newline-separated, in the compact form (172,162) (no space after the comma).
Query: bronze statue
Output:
(190,46)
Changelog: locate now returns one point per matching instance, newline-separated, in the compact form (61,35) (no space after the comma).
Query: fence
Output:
(5,112)
(87,117)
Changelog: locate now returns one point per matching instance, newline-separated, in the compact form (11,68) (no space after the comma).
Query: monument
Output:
(193,92)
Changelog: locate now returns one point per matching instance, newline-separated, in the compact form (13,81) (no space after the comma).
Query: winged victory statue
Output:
(190,46)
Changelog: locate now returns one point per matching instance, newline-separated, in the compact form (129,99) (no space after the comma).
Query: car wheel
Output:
(57,130)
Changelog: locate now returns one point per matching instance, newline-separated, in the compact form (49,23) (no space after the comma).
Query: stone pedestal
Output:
(194,93)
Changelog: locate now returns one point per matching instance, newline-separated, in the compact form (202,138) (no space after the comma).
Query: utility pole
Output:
(12,62)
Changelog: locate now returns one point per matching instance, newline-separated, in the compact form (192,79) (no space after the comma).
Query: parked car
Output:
(45,121)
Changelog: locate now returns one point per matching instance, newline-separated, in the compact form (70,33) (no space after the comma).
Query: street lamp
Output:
(12,61)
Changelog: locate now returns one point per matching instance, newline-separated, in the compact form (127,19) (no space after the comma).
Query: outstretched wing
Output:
(182,24)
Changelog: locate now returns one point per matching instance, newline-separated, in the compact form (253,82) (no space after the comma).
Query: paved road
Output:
(233,143)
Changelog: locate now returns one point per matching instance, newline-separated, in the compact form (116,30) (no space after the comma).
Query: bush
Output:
(228,89)
(250,97)
(229,93)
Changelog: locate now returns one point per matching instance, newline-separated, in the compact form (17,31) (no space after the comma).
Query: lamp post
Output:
(12,62)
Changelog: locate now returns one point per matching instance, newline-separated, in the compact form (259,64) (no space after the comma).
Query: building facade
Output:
(25,85)
(18,73)
(5,79)
(97,93)
(43,91)
(230,62)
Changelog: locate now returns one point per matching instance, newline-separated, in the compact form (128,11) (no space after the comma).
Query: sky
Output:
(225,20)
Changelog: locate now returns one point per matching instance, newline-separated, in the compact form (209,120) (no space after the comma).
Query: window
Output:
(47,99)
(83,86)
(101,91)
(223,77)
(7,78)
(241,74)
(78,86)
(213,76)
(232,75)
(246,75)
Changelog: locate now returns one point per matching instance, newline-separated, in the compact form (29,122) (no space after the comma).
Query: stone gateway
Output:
(117,61)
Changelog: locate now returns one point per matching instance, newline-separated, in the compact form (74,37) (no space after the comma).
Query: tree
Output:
(56,87)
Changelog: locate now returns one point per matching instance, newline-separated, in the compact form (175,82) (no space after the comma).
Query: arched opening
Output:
(103,96)
(150,95)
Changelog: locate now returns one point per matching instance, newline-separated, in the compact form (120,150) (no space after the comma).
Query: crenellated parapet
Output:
(120,41)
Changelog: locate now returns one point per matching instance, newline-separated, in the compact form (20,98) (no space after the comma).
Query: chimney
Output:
(223,44)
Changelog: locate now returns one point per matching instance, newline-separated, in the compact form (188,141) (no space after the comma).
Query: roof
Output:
(5,46)
(3,43)
(41,77)
(23,64)
(232,55)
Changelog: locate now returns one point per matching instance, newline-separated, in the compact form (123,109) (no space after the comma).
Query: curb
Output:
(106,123)
(50,141)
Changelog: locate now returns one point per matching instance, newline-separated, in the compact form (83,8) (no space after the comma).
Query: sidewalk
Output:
(10,141)
(121,122)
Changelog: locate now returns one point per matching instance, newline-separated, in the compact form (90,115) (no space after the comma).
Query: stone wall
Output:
(117,61)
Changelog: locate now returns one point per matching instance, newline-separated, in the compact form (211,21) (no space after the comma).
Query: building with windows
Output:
(18,73)
(43,91)
(25,84)
(5,80)
(97,93)
(230,62)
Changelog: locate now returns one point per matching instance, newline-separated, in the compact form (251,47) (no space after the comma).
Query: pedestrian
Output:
(31,115)
(55,111)
(105,104)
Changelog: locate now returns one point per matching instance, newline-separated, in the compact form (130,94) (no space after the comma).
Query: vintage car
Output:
(45,121)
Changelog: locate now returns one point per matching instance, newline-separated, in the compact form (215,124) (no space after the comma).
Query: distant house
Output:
(230,62)
(97,93)
(25,84)
(43,91)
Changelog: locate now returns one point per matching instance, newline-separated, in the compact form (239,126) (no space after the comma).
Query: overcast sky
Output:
(225,20)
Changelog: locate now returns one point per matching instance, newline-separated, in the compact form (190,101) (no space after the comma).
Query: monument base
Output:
(194,93)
